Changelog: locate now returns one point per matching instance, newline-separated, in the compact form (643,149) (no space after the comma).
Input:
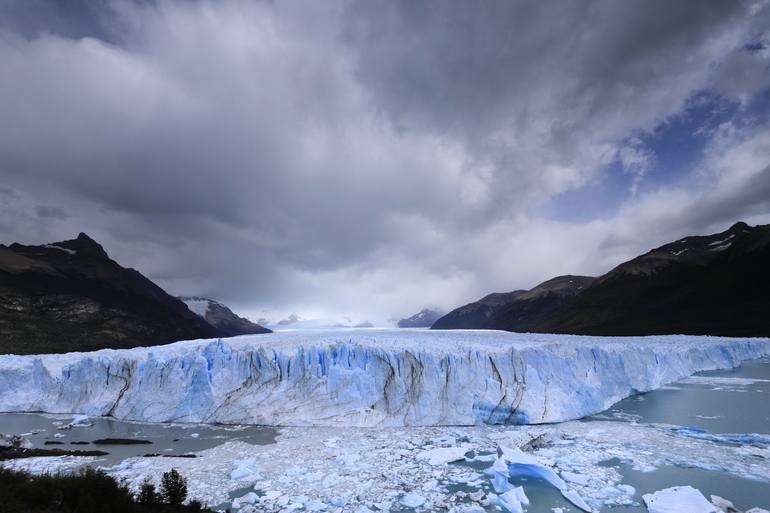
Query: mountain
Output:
(533,307)
(714,284)
(70,296)
(423,319)
(520,310)
(221,317)
(476,314)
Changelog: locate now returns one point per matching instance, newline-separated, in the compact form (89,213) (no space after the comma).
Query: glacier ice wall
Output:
(364,377)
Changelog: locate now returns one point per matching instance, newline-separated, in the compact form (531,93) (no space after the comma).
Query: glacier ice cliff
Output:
(364,377)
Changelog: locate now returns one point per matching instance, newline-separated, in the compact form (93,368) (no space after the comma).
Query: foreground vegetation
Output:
(90,491)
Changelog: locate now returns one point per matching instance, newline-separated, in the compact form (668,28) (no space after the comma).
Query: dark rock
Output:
(700,285)
(703,285)
(520,310)
(13,453)
(70,296)
(475,315)
(121,441)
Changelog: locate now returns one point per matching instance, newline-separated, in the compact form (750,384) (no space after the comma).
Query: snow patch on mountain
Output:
(198,306)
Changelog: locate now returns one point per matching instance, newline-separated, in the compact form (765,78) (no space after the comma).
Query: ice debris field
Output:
(383,421)
(457,469)
(364,377)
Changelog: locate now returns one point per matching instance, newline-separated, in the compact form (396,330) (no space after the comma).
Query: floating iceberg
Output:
(364,378)
(514,500)
(727,438)
(412,500)
(521,464)
(678,499)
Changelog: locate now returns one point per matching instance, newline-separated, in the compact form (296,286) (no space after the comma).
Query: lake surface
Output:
(726,401)
(735,401)
(167,439)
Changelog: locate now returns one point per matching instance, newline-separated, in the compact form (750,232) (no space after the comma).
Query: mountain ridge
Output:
(71,296)
(697,285)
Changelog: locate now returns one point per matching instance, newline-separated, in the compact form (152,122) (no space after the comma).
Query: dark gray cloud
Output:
(49,212)
(363,158)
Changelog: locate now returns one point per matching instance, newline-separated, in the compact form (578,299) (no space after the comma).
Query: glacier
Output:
(364,377)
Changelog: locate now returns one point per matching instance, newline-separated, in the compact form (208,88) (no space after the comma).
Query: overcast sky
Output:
(369,159)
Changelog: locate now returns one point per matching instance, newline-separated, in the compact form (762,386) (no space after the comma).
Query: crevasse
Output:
(364,377)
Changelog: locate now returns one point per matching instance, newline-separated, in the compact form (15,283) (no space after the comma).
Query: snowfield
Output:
(364,378)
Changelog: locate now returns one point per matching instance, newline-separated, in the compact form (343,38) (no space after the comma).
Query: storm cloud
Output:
(373,158)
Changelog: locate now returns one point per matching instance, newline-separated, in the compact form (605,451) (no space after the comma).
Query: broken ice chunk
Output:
(500,474)
(521,464)
(576,499)
(723,504)
(249,498)
(514,500)
(78,421)
(243,469)
(412,500)
(443,455)
(579,479)
(271,495)
(678,499)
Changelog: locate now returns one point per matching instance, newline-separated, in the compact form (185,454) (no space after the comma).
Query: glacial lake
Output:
(735,401)
(718,403)
(171,440)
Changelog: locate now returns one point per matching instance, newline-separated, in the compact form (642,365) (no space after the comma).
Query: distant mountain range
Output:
(715,284)
(297,322)
(221,317)
(422,319)
(70,296)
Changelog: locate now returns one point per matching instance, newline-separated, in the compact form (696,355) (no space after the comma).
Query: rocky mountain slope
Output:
(221,317)
(715,284)
(698,285)
(537,305)
(477,314)
(422,319)
(520,310)
(70,296)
